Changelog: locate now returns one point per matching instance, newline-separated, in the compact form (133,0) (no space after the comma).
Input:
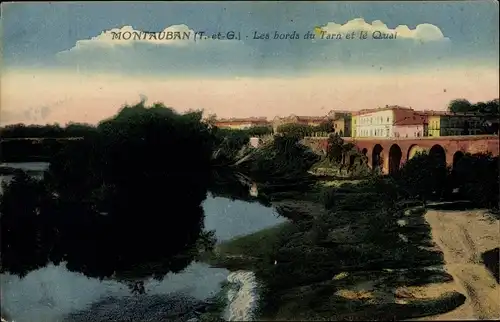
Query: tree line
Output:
(426,177)
(303,130)
(488,112)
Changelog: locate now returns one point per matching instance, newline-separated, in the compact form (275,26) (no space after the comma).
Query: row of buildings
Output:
(388,121)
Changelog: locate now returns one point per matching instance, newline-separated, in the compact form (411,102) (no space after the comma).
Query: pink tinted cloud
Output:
(90,98)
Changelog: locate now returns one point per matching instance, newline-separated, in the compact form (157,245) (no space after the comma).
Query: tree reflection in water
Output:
(117,204)
(147,236)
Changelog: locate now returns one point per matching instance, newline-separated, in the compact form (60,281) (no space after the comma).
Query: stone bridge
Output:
(390,153)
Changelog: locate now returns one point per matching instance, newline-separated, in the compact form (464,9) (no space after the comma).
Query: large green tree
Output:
(296,129)
(423,176)
(325,126)
(477,177)
(460,105)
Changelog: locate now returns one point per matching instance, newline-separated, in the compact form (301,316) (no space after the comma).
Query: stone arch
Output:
(377,161)
(364,152)
(439,153)
(414,149)
(457,156)
(395,155)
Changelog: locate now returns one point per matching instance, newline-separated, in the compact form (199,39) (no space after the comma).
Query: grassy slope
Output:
(356,239)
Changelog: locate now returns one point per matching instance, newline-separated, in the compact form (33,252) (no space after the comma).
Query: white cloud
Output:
(175,50)
(175,35)
(129,51)
(423,32)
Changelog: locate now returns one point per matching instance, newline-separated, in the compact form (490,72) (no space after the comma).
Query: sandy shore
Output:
(463,236)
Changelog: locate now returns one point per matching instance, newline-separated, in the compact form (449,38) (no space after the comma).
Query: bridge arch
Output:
(414,149)
(395,155)
(439,153)
(362,160)
(377,161)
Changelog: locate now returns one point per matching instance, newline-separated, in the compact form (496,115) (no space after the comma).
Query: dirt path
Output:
(463,236)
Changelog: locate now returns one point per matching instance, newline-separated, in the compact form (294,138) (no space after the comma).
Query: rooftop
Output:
(246,119)
(446,113)
(385,108)
(411,120)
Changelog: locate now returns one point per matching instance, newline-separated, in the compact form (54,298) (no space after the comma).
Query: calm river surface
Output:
(54,294)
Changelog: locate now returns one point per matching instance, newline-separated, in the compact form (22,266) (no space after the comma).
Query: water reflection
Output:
(52,293)
(235,218)
(149,236)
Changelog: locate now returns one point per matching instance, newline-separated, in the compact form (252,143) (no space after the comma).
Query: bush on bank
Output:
(283,161)
(427,177)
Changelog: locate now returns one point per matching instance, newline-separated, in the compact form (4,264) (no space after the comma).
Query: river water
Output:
(53,293)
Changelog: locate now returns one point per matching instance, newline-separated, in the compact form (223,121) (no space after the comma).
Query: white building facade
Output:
(389,122)
(409,130)
(375,123)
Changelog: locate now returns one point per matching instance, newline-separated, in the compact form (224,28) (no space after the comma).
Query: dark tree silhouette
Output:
(124,202)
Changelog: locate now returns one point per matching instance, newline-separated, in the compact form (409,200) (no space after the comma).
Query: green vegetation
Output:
(303,130)
(357,236)
(46,131)
(489,112)
(348,259)
(279,164)
(296,129)
(476,175)
(341,160)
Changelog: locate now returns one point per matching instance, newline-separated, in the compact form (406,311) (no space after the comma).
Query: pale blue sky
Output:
(34,33)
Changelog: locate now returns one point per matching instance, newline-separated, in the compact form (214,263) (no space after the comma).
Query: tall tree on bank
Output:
(460,105)
(326,126)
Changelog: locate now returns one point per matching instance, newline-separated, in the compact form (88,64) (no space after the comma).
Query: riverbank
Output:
(469,240)
(357,260)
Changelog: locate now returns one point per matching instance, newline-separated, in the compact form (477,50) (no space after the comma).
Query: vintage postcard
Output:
(249,160)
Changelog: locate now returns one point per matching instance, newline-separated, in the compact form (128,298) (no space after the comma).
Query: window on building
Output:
(387,119)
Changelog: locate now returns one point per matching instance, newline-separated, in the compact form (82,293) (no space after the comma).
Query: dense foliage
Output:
(282,159)
(489,112)
(302,130)
(341,153)
(426,177)
(296,129)
(476,175)
(46,131)
(124,201)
